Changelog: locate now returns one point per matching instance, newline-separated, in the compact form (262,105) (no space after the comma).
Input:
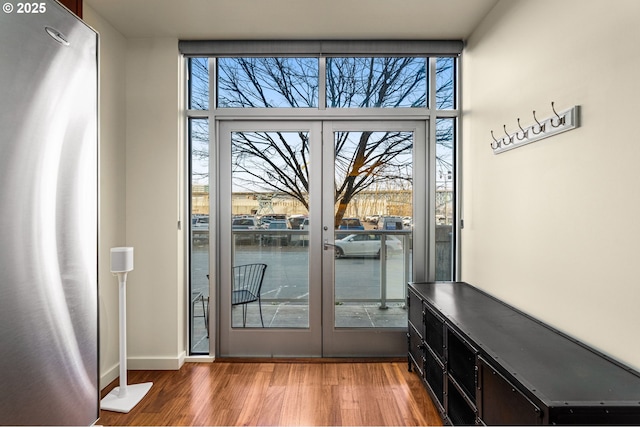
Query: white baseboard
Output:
(199,359)
(156,363)
(143,364)
(109,375)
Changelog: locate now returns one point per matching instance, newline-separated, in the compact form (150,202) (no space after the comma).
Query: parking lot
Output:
(287,276)
(358,289)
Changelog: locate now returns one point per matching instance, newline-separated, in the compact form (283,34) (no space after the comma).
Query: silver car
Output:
(365,245)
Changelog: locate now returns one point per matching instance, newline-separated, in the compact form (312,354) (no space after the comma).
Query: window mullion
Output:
(322,83)
(213,87)
(432,70)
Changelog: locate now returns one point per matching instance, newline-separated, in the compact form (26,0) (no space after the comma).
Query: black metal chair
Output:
(247,284)
(198,297)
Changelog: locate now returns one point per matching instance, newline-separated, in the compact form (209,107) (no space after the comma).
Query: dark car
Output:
(277,238)
(350,224)
(246,223)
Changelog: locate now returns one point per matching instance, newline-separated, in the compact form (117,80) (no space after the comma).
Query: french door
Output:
(337,212)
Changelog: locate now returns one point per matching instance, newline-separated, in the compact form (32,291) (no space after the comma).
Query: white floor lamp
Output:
(124,397)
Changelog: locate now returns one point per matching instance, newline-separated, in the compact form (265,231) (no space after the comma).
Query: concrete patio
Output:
(292,315)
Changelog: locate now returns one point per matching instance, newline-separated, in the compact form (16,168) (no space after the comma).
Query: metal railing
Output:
(258,238)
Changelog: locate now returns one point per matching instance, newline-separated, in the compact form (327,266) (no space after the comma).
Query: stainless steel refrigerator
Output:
(48,216)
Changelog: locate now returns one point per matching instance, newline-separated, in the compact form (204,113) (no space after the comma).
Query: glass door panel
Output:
(199,235)
(268,189)
(374,197)
(269,294)
(444,197)
(368,213)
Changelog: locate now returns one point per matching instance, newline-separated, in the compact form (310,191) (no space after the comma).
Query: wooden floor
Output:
(280,393)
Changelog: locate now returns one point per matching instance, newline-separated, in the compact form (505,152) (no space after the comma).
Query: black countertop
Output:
(558,369)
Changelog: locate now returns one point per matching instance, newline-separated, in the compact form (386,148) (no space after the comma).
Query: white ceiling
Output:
(294,19)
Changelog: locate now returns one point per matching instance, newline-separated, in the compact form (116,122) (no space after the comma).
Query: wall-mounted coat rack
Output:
(558,123)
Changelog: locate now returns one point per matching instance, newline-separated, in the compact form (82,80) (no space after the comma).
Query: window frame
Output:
(429,113)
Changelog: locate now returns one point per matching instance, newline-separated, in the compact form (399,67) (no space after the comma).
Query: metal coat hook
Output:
(560,119)
(540,125)
(496,141)
(507,137)
(550,126)
(524,132)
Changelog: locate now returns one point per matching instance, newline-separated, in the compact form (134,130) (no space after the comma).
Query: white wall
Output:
(141,158)
(552,227)
(112,230)
(156,315)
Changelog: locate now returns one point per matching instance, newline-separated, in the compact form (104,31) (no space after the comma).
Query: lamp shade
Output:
(121,260)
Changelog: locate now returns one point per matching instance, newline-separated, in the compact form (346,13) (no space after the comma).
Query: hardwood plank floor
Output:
(328,393)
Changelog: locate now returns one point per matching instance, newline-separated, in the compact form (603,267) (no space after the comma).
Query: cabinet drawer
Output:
(416,350)
(461,363)
(459,410)
(416,316)
(434,376)
(502,402)
(434,331)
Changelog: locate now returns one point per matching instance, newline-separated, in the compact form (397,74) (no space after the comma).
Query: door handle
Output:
(328,245)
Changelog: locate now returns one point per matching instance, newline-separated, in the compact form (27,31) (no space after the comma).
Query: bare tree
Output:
(365,158)
(199,84)
(278,161)
(272,162)
(199,127)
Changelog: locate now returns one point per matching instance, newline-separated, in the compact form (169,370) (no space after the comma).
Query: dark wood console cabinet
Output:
(486,363)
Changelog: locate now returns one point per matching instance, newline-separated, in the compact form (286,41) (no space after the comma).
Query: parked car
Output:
(365,245)
(264,222)
(296,221)
(277,238)
(200,223)
(245,223)
(200,229)
(390,223)
(373,219)
(350,224)
(266,219)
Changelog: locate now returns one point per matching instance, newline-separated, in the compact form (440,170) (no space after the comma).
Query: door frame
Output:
(369,342)
(274,342)
(322,338)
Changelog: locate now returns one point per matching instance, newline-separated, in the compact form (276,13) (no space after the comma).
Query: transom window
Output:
(267,82)
(346,82)
(376,82)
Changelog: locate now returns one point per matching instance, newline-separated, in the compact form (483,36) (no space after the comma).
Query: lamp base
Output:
(115,403)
